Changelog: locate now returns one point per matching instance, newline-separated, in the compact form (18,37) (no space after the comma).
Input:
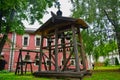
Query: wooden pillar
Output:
(50,56)
(21,62)
(82,52)
(75,47)
(41,52)
(64,52)
(18,62)
(56,50)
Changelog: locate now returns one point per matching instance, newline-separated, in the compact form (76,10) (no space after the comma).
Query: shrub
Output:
(116,61)
(106,62)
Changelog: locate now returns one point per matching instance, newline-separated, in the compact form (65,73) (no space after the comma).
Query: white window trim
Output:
(25,35)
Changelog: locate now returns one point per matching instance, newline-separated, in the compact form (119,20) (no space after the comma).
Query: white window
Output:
(37,41)
(25,40)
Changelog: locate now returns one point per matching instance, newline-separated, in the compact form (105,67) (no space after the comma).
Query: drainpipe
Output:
(12,52)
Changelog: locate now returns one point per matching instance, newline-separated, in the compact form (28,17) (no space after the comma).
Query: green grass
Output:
(104,76)
(98,75)
(107,67)
(12,76)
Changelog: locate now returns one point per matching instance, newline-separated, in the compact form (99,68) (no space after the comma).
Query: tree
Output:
(103,16)
(13,12)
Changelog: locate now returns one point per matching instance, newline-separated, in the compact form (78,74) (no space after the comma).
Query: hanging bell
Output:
(68,37)
(27,57)
(37,57)
(62,36)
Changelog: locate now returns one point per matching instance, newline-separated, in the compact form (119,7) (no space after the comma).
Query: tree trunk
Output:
(0,20)
(3,40)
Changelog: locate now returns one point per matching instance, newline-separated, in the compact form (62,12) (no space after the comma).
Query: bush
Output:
(116,61)
(106,62)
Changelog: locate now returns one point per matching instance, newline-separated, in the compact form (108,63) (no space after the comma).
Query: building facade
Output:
(27,41)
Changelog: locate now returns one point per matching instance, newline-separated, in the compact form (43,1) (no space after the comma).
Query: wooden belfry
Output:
(63,37)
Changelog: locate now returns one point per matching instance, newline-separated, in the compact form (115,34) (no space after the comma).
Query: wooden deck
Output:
(66,74)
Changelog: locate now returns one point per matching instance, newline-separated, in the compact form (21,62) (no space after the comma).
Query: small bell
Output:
(27,57)
(68,37)
(37,57)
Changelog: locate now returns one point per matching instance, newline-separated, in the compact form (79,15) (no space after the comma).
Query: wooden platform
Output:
(61,74)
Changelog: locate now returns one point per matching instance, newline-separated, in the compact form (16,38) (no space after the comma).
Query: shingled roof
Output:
(61,23)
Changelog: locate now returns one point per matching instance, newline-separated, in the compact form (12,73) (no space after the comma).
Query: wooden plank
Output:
(45,65)
(61,74)
(56,50)
(16,70)
(25,50)
(64,52)
(75,47)
(67,60)
(82,52)
(40,57)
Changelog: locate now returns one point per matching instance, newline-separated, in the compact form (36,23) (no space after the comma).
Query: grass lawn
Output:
(12,76)
(97,75)
(107,67)
(104,76)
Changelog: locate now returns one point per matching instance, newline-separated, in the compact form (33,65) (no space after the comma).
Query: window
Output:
(25,40)
(37,41)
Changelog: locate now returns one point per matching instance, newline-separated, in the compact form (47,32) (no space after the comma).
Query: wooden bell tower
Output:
(63,37)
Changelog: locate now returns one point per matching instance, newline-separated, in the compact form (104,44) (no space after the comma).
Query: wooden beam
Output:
(56,50)
(25,50)
(67,60)
(41,52)
(75,47)
(82,52)
(64,51)
(16,70)
(50,57)
(44,63)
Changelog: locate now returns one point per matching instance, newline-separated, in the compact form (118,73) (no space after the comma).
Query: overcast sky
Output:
(65,8)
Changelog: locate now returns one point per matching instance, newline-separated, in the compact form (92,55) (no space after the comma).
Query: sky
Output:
(65,8)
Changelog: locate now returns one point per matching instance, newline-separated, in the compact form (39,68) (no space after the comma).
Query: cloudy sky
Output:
(65,8)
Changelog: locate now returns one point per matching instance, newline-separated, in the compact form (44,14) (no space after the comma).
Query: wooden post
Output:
(50,55)
(18,62)
(67,60)
(56,50)
(64,52)
(75,47)
(41,52)
(21,62)
(82,52)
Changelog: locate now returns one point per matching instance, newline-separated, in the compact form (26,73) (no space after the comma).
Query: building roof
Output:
(61,23)
(30,30)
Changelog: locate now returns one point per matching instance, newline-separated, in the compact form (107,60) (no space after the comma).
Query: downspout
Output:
(12,52)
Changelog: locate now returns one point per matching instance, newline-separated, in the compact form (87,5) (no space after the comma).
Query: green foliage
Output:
(30,10)
(98,40)
(106,62)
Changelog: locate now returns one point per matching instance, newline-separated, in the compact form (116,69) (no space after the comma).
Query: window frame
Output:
(37,36)
(23,40)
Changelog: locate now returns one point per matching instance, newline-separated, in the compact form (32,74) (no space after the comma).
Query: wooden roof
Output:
(61,23)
